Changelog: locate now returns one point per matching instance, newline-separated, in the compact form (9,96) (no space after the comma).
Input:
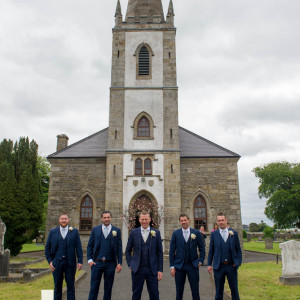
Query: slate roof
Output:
(191,145)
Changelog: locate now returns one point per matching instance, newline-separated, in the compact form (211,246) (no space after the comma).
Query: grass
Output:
(17,259)
(261,247)
(261,281)
(32,247)
(30,290)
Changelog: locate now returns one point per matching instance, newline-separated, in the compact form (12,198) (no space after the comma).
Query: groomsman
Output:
(226,254)
(146,262)
(184,259)
(104,254)
(62,247)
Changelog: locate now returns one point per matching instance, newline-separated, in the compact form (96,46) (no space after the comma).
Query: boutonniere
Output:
(114,233)
(193,236)
(71,228)
(153,233)
(230,232)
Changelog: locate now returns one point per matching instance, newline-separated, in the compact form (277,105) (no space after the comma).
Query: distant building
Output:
(246,227)
(143,159)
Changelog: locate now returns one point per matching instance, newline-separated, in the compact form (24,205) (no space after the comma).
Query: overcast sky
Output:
(238,68)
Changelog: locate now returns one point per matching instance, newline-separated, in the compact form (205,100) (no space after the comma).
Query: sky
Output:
(238,70)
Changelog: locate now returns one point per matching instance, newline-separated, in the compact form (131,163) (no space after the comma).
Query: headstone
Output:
(248,237)
(4,255)
(259,238)
(27,275)
(269,243)
(290,253)
(2,234)
(47,295)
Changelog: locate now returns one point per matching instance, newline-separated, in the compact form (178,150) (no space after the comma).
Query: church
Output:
(144,159)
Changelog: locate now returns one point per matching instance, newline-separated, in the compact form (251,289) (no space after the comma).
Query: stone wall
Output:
(216,180)
(172,195)
(70,181)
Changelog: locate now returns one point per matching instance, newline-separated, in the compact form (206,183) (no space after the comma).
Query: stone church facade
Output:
(144,159)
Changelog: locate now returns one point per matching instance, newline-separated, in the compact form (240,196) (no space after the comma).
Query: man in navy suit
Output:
(146,262)
(226,254)
(62,247)
(104,254)
(184,259)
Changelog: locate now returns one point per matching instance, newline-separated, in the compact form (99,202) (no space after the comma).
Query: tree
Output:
(280,184)
(21,199)
(43,167)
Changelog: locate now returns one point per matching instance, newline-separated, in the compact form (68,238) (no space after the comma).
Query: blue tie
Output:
(105,231)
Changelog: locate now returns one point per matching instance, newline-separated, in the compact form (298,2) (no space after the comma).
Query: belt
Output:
(226,263)
(103,260)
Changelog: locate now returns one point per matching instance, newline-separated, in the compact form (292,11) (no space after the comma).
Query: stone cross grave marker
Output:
(2,234)
(290,253)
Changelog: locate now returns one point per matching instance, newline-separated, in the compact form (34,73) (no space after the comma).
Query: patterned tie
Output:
(105,231)
(224,235)
(144,235)
(64,232)
(186,236)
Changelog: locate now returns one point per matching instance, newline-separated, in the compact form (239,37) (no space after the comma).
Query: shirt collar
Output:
(108,227)
(183,230)
(62,228)
(147,229)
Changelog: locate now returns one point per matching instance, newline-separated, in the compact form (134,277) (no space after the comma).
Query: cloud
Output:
(238,66)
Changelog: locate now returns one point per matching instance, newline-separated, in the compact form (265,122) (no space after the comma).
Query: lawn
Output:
(32,247)
(30,290)
(261,247)
(261,281)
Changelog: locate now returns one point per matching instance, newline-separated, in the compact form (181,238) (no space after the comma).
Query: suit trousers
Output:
(108,269)
(61,268)
(138,279)
(231,273)
(193,277)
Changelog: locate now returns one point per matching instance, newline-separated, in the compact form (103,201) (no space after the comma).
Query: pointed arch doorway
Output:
(140,202)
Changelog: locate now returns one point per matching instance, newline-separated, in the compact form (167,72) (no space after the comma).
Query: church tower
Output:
(143,156)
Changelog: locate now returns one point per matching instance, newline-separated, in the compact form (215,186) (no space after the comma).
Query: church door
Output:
(143,202)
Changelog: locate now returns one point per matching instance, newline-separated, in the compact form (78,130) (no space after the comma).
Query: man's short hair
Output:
(106,212)
(63,214)
(221,214)
(145,212)
(183,216)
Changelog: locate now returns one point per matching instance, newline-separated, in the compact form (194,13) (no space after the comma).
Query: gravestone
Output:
(290,253)
(269,243)
(260,238)
(248,237)
(4,255)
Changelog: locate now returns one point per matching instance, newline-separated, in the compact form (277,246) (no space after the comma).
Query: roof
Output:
(138,8)
(191,145)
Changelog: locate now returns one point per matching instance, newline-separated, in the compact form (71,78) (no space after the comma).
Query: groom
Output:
(184,258)
(226,255)
(146,262)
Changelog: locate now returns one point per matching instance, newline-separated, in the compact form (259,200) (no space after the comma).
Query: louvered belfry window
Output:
(143,128)
(144,61)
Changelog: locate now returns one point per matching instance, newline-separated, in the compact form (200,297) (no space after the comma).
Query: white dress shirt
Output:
(108,229)
(225,233)
(146,234)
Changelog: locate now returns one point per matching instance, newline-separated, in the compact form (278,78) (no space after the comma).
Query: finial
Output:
(118,14)
(170,15)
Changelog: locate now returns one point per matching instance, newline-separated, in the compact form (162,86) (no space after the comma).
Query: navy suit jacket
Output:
(155,250)
(177,253)
(94,244)
(73,246)
(214,254)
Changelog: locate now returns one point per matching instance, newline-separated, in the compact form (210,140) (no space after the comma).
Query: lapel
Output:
(218,237)
(68,236)
(150,237)
(181,237)
(230,239)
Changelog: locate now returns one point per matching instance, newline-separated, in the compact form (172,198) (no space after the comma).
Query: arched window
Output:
(143,128)
(86,213)
(144,61)
(147,166)
(138,167)
(200,216)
